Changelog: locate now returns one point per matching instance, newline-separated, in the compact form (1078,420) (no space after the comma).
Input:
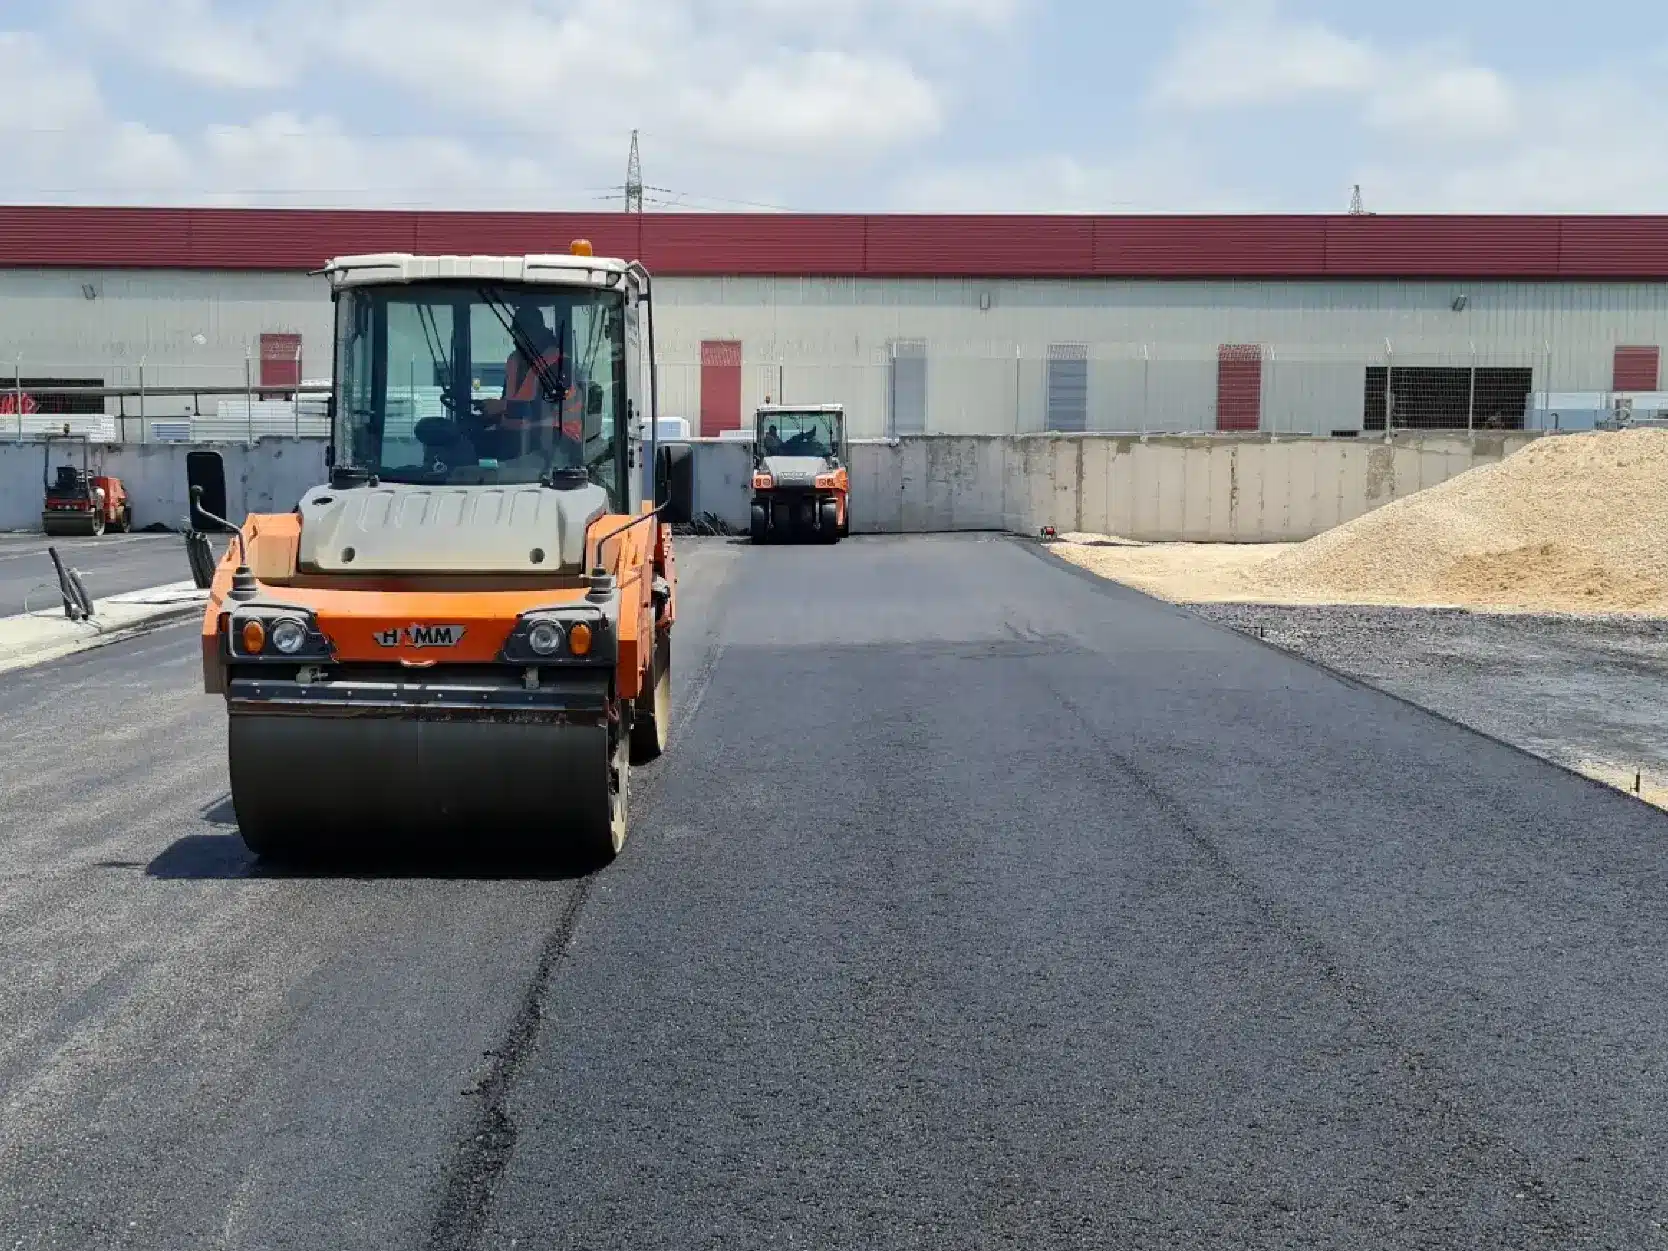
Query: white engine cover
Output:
(396,528)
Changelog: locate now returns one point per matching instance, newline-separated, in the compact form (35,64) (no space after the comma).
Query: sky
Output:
(839,105)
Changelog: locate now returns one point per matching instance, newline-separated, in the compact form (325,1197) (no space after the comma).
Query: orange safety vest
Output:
(523,394)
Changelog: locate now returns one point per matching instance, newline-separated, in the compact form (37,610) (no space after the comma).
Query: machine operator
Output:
(525,412)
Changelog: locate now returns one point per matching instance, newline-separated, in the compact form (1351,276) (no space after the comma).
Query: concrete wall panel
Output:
(723,480)
(1153,488)
(877,488)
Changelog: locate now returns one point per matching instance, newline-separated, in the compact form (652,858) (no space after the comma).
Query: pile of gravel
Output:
(1570,523)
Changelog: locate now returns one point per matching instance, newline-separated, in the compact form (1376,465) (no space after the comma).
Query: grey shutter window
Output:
(907,386)
(1068,387)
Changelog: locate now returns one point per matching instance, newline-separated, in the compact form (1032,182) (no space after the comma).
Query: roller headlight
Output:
(289,636)
(545,638)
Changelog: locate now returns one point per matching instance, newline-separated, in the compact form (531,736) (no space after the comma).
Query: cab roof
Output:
(548,269)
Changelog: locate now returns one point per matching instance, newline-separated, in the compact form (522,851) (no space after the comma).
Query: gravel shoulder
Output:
(1586,692)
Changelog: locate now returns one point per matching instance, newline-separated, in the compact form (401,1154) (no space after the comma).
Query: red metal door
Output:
(720,386)
(1636,368)
(1239,387)
(280,360)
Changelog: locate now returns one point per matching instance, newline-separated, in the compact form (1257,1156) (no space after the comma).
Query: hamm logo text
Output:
(421,636)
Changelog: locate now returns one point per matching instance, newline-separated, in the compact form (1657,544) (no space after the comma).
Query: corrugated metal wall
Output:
(978,351)
(186,327)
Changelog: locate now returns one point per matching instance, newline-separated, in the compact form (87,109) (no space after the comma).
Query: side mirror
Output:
(205,476)
(674,481)
(593,400)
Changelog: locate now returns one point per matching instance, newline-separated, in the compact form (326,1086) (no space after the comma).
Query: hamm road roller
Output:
(800,483)
(464,636)
(80,500)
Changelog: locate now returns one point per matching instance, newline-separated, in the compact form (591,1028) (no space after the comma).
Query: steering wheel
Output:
(449,402)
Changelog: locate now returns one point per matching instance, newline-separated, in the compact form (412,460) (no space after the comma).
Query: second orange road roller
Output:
(465,635)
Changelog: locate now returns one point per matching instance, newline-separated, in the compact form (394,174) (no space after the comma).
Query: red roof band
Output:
(880,246)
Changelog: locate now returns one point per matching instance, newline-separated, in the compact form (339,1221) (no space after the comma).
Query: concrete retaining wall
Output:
(268,476)
(1157,488)
(1249,489)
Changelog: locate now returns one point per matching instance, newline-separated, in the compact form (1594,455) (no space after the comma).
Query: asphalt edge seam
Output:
(481,1156)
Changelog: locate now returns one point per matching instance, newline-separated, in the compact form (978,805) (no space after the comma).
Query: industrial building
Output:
(918,324)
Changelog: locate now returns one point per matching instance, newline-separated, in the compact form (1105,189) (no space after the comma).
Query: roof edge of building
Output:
(876,246)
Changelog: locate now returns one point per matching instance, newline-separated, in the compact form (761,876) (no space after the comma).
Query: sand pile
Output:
(1571,523)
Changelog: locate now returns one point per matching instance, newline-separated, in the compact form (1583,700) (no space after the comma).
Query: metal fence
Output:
(909,386)
(1159,387)
(205,412)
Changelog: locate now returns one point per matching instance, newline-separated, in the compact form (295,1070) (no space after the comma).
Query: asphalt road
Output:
(109,565)
(976,905)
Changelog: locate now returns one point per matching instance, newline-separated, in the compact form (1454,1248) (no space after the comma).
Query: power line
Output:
(687,196)
(669,199)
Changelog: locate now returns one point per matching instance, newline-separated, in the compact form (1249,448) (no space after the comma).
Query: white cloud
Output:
(525,103)
(1156,179)
(1440,132)
(529,104)
(1455,104)
(60,141)
(195,39)
(822,14)
(42,95)
(1578,147)
(1248,55)
(642,62)
(55,129)
(826,99)
(1237,55)
(760,76)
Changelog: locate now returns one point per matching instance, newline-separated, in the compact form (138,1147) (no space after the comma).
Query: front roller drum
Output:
(307,785)
(72,525)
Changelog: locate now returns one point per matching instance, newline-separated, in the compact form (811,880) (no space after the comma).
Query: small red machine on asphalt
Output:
(78,501)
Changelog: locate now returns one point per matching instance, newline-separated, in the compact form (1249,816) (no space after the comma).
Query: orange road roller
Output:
(801,486)
(464,636)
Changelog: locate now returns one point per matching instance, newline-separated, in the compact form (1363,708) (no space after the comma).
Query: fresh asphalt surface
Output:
(109,565)
(976,905)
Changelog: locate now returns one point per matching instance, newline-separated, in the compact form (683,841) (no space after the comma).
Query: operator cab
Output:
(485,412)
(69,483)
(490,371)
(786,438)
